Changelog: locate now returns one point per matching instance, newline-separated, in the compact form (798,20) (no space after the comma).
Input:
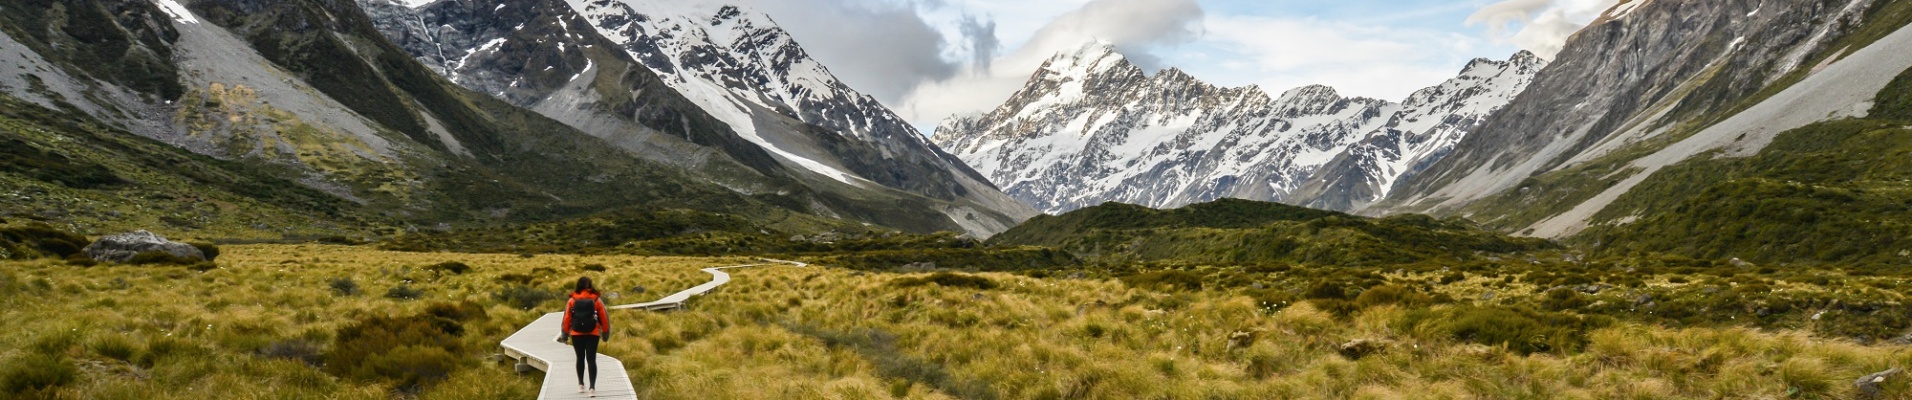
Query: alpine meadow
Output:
(984,199)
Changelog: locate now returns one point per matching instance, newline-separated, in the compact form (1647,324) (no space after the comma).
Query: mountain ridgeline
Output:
(1767,131)
(246,118)
(1245,232)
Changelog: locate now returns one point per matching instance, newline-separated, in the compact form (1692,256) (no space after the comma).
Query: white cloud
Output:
(1284,53)
(1543,25)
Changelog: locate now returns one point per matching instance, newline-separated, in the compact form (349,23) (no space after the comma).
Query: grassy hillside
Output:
(85,177)
(1837,192)
(1232,231)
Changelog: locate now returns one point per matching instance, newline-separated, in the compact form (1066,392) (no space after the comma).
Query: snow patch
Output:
(178,11)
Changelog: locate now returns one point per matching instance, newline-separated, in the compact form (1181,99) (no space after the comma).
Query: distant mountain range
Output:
(1090,127)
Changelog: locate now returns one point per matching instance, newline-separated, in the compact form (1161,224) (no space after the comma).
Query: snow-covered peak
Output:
(1089,128)
(1088,59)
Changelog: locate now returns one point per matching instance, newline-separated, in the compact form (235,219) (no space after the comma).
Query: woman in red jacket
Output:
(585,323)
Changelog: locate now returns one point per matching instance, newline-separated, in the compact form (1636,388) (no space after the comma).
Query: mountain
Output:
(1237,232)
(1657,87)
(261,118)
(1090,127)
(765,117)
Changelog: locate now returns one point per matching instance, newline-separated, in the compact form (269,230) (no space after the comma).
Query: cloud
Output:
(1137,28)
(983,43)
(882,48)
(1543,25)
(1356,59)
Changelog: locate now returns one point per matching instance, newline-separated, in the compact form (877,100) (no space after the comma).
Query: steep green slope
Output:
(1242,231)
(1832,192)
(67,170)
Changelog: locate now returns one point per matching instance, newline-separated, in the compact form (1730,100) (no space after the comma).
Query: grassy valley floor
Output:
(322,321)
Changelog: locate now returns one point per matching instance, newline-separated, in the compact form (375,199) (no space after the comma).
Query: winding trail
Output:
(536,345)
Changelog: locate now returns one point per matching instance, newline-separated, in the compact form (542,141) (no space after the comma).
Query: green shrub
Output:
(1170,279)
(211,251)
(525,297)
(155,257)
(412,351)
(1393,295)
(81,260)
(343,286)
(404,292)
(520,279)
(36,373)
(1518,329)
(592,267)
(300,350)
(40,240)
(450,267)
(947,280)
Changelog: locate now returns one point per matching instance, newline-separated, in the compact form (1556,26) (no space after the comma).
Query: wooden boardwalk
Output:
(536,345)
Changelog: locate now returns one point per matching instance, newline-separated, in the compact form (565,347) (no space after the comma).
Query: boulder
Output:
(1869,385)
(122,247)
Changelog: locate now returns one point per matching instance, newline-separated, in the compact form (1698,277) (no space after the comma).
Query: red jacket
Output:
(604,320)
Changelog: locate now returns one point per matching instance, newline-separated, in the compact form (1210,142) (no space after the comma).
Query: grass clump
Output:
(449,267)
(411,351)
(1515,328)
(343,286)
(404,291)
(37,375)
(525,297)
(947,280)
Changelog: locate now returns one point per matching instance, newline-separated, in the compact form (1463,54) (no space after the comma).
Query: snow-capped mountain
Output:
(1089,127)
(593,63)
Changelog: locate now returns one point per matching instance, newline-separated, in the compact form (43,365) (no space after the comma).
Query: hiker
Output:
(585,324)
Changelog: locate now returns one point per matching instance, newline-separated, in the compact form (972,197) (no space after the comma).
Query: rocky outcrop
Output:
(123,247)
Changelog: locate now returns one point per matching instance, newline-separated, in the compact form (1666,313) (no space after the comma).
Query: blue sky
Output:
(929,59)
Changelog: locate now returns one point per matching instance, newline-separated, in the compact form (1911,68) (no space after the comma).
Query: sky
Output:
(930,59)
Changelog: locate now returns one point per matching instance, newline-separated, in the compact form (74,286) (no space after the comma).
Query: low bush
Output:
(210,250)
(525,297)
(592,267)
(450,267)
(948,280)
(37,240)
(404,292)
(156,257)
(343,286)
(411,351)
(1170,279)
(300,350)
(520,279)
(34,375)
(1516,328)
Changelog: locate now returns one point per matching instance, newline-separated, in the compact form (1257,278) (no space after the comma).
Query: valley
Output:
(365,197)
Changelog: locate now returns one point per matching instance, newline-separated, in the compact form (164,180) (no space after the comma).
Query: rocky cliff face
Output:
(776,110)
(1090,127)
(1639,89)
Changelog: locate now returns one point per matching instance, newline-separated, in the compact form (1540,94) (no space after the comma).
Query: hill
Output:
(1244,231)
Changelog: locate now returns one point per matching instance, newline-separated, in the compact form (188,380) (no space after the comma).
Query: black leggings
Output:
(586,346)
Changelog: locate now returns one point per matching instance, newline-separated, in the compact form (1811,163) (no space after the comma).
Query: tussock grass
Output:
(253,328)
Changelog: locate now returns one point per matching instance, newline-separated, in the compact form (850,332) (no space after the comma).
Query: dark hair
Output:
(584,283)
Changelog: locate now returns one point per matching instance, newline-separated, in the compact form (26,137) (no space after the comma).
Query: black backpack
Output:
(584,315)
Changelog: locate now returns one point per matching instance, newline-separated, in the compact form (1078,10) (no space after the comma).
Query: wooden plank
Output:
(537,345)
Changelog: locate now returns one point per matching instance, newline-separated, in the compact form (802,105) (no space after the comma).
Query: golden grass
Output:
(787,332)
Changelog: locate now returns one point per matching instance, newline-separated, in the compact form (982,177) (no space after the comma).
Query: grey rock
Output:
(1355,349)
(122,247)
(1869,385)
